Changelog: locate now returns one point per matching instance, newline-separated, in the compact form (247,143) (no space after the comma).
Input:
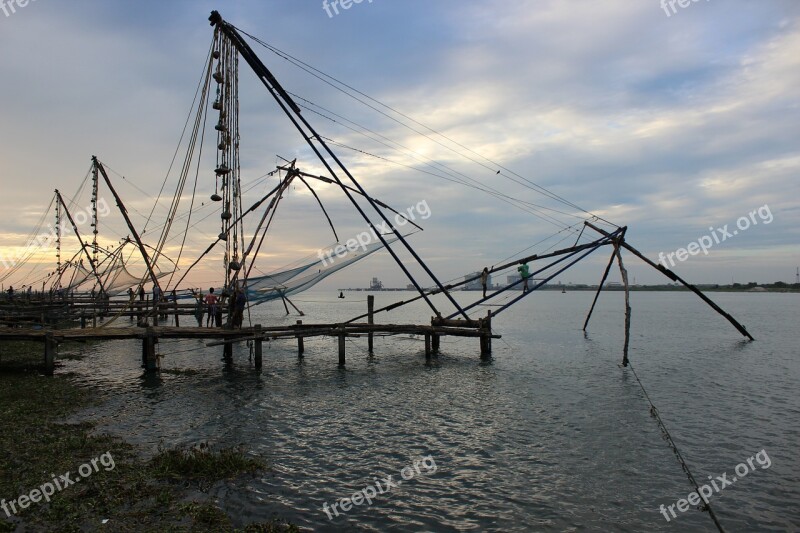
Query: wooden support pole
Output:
(342,359)
(177,319)
(83,321)
(301,348)
(435,343)
(624,273)
(149,351)
(674,277)
(370,321)
(258,347)
(299,312)
(427,346)
(599,288)
(50,348)
(227,352)
(486,336)
(94,318)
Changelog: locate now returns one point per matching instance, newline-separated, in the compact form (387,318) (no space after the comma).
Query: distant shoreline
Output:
(750,287)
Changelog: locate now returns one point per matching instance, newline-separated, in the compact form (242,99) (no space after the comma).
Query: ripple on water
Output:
(552,435)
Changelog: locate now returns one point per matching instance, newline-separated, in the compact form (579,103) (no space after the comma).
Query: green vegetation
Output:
(166,493)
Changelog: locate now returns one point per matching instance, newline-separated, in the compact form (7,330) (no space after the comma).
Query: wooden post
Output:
(94,318)
(486,336)
(227,351)
(83,320)
(624,274)
(427,346)
(342,359)
(177,320)
(370,320)
(259,342)
(149,351)
(50,348)
(434,338)
(301,348)
(599,288)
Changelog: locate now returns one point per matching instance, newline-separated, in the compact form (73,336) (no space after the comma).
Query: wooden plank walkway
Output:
(150,336)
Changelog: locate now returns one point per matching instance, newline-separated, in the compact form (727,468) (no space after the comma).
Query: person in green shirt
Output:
(524,274)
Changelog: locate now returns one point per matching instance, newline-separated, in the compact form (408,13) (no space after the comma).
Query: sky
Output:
(681,123)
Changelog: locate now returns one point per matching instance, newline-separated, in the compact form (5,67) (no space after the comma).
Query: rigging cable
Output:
(322,76)
(654,413)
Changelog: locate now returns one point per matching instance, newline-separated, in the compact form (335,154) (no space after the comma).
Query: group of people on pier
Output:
(212,305)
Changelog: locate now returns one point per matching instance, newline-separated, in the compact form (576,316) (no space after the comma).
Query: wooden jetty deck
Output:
(150,335)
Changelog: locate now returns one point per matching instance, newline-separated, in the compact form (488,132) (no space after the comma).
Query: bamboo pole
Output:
(599,288)
(624,273)
(370,320)
(258,346)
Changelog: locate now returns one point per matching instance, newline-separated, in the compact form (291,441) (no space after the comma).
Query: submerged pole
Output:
(486,336)
(370,320)
(342,358)
(149,360)
(301,347)
(258,347)
(624,273)
(428,346)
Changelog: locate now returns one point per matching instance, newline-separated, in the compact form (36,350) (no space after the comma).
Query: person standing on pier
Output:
(156,297)
(131,299)
(199,308)
(524,274)
(484,280)
(211,301)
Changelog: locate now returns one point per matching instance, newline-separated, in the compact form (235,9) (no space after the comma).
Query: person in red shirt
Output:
(211,300)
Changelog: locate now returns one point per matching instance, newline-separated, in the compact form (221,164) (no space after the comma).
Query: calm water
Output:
(551,435)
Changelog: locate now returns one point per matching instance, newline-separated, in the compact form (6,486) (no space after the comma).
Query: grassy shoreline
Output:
(122,493)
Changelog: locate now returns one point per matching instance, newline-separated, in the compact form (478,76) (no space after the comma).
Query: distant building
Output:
(376,285)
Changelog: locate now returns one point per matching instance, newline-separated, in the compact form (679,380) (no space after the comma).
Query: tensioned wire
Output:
(357,95)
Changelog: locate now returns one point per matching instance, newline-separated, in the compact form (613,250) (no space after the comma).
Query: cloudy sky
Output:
(673,122)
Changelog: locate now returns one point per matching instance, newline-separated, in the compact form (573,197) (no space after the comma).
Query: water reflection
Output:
(550,433)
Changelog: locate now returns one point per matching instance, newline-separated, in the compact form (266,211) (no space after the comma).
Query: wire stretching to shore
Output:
(675,450)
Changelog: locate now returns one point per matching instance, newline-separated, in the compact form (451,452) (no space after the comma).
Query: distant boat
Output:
(563,290)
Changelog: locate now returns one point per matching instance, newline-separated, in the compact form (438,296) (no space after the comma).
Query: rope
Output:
(668,438)
(338,84)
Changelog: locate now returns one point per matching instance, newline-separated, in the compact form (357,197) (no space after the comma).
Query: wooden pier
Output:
(149,335)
